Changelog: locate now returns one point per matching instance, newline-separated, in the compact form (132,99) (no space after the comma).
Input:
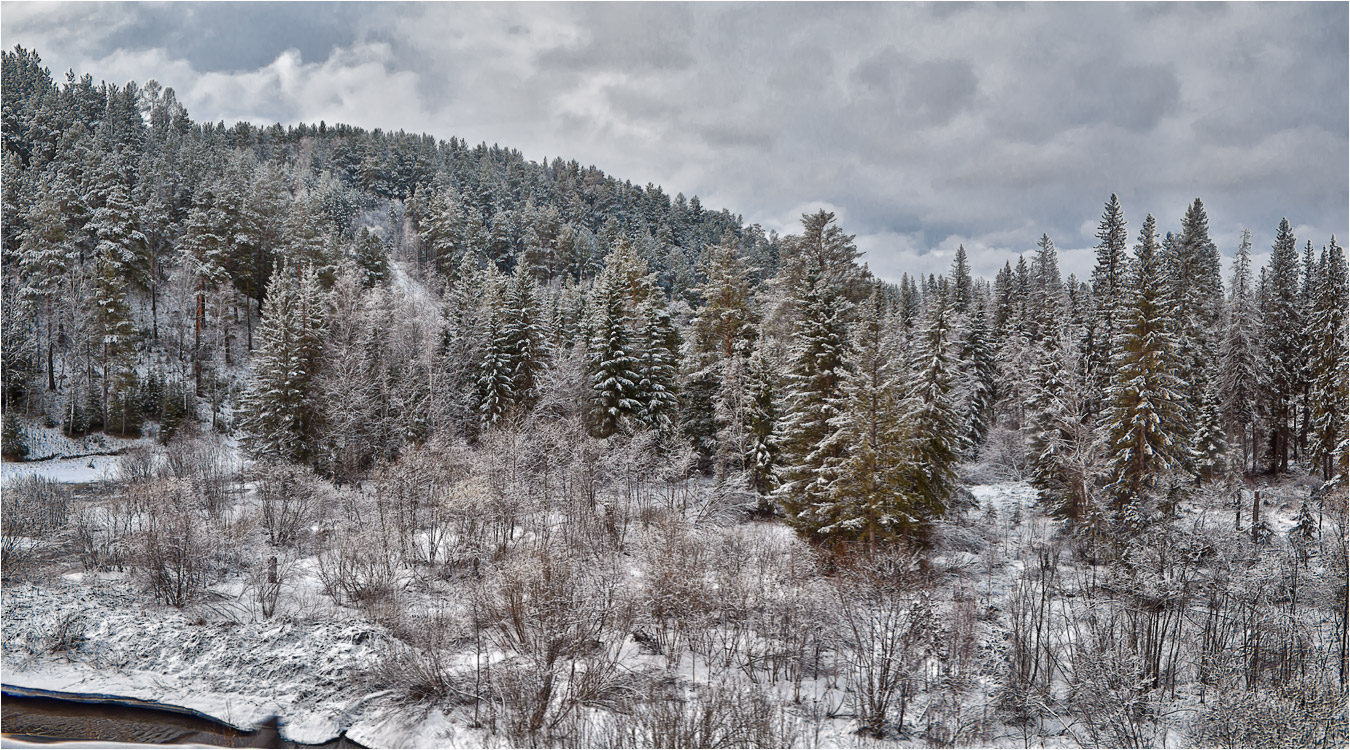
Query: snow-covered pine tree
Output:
(496,375)
(1109,277)
(817,365)
(1281,325)
(1209,446)
(764,452)
(455,396)
(372,257)
(1142,430)
(45,260)
(524,338)
(933,422)
(728,314)
(279,408)
(1047,293)
(658,366)
(613,368)
(981,372)
(308,243)
(1198,289)
(1329,365)
(1060,441)
(963,289)
(118,258)
(1239,383)
(868,496)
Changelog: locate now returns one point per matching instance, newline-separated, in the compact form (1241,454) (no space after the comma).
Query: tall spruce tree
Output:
(817,366)
(1239,384)
(1109,278)
(1143,433)
(613,368)
(867,499)
(280,408)
(1329,364)
(1281,325)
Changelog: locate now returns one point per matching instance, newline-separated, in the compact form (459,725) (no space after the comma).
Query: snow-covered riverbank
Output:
(308,674)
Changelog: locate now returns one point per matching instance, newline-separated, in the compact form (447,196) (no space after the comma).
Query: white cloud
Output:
(922,127)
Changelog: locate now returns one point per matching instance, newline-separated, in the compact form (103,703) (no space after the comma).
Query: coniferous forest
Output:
(416,442)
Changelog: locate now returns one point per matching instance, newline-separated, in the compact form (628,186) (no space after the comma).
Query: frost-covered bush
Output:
(360,567)
(728,713)
(1304,713)
(174,552)
(561,623)
(289,495)
(31,510)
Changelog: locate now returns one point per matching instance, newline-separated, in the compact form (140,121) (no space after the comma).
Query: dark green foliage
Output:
(13,438)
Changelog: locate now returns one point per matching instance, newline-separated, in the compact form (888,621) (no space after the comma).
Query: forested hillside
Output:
(543,427)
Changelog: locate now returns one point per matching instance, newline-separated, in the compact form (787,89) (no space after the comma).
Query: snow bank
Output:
(307,673)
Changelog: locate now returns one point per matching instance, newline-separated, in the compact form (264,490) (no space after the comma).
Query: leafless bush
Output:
(885,627)
(725,714)
(32,509)
(676,565)
(1031,656)
(1003,455)
(1109,697)
(421,675)
(204,460)
(174,550)
(288,496)
(360,568)
(563,623)
(1305,713)
(103,538)
(137,464)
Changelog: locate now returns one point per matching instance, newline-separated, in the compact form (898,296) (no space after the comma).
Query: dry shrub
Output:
(725,714)
(289,497)
(32,511)
(563,623)
(175,545)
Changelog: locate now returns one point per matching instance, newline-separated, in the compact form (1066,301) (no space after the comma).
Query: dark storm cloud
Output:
(923,126)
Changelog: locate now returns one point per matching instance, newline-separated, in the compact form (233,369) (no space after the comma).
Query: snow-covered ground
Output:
(52,455)
(237,672)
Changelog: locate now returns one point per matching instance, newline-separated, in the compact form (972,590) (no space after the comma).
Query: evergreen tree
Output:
(962,286)
(981,372)
(1142,423)
(934,440)
(818,355)
(117,258)
(45,259)
(1059,442)
(496,374)
(613,368)
(1239,384)
(371,257)
(523,334)
(279,408)
(657,367)
(1109,279)
(868,497)
(727,317)
(1329,364)
(762,426)
(1281,324)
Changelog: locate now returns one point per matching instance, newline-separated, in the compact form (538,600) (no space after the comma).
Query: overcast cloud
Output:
(922,126)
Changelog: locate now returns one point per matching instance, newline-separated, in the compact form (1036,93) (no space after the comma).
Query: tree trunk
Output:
(197,337)
(1256,514)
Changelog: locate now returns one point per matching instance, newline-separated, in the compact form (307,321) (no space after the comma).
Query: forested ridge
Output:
(500,369)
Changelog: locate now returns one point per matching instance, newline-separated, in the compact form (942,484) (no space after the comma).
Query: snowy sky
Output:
(922,126)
